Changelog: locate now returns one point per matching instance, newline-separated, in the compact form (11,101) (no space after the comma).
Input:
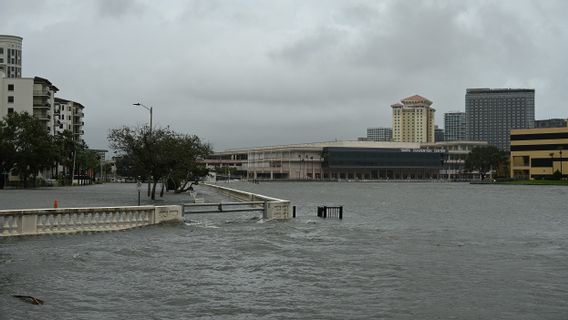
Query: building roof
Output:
(75,103)
(46,82)
(416,98)
(499,90)
(320,145)
(10,36)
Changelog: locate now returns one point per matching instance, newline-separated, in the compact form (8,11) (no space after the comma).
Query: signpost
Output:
(139,187)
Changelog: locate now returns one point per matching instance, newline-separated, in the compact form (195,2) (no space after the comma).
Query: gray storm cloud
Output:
(246,73)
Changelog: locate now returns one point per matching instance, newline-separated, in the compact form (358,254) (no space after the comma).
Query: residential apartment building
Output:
(538,153)
(69,116)
(16,95)
(36,95)
(43,103)
(413,120)
(491,114)
(11,56)
(455,126)
(379,134)
(550,123)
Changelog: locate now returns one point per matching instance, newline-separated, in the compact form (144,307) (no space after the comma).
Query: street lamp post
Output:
(147,108)
(150,110)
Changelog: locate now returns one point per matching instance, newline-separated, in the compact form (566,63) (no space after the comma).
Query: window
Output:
(10,99)
(10,86)
(10,110)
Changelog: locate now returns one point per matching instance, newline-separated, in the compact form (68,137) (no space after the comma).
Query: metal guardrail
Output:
(274,208)
(219,207)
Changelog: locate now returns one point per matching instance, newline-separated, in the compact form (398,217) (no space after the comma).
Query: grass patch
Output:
(536,182)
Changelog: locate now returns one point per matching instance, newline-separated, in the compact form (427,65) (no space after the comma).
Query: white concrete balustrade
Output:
(71,220)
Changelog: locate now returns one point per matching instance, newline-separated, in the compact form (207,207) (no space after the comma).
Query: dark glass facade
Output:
(356,158)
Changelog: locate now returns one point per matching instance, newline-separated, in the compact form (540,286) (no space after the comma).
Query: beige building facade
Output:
(413,120)
(539,153)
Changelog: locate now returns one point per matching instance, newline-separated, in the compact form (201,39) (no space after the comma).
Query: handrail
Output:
(223,203)
(274,208)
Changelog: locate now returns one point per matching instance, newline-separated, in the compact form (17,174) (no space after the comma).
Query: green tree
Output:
(66,146)
(86,162)
(159,155)
(7,152)
(484,159)
(31,147)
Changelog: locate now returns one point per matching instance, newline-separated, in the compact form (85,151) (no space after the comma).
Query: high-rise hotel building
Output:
(492,113)
(11,56)
(413,120)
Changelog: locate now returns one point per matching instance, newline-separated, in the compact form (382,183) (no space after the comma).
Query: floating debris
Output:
(28,299)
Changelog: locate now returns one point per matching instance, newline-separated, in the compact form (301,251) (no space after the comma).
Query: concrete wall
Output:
(22,93)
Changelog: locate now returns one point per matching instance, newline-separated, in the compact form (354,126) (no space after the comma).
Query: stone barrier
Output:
(275,208)
(72,220)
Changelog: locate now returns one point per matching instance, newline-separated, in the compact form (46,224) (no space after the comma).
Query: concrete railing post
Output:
(168,214)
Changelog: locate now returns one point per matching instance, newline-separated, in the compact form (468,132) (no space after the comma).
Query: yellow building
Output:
(538,153)
(413,120)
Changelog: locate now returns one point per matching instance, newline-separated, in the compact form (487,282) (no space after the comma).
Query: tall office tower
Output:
(11,56)
(438,134)
(492,113)
(413,120)
(454,125)
(379,134)
(550,123)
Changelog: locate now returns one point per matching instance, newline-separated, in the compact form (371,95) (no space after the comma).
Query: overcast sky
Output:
(263,72)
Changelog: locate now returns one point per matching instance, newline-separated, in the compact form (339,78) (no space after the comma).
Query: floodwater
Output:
(402,251)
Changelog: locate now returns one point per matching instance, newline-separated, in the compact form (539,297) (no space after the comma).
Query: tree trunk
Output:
(153,194)
(162,191)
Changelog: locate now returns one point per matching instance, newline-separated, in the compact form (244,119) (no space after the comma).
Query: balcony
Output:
(42,105)
(43,116)
(45,93)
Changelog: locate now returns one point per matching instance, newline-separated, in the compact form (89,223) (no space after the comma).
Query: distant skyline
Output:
(252,73)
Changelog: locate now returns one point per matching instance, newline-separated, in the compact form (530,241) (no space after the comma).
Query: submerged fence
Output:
(330,212)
